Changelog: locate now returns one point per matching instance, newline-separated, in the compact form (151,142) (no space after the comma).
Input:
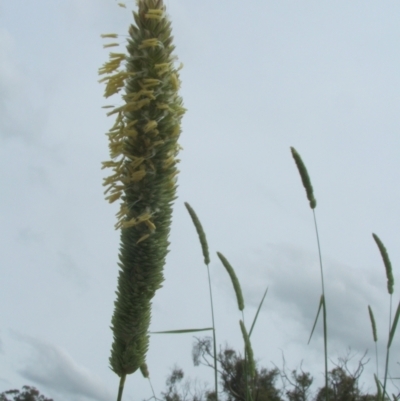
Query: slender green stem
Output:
(323,309)
(204,248)
(246,366)
(214,335)
(376,359)
(121,387)
(152,389)
(319,253)
(390,285)
(387,350)
(386,373)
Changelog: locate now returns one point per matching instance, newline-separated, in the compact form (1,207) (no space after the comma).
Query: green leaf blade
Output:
(181,331)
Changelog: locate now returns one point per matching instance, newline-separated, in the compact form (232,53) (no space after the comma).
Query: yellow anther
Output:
(155,11)
(131,124)
(132,133)
(113,197)
(136,162)
(174,81)
(150,225)
(147,82)
(150,126)
(109,35)
(120,56)
(110,45)
(138,175)
(149,43)
(142,238)
(163,106)
(153,16)
(176,131)
(162,68)
(132,106)
(169,161)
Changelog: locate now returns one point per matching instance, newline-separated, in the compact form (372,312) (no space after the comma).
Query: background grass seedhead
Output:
(304,178)
(234,279)
(143,149)
(373,324)
(200,233)
(386,261)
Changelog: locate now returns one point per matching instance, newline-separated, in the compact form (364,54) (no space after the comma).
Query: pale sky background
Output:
(258,77)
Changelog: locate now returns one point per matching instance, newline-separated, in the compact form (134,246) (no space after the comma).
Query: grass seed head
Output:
(373,324)
(234,279)
(143,145)
(200,233)
(386,262)
(305,178)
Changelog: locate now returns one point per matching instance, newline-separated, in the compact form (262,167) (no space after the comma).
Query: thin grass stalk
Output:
(379,388)
(214,336)
(248,360)
(145,372)
(239,297)
(152,389)
(204,247)
(246,364)
(249,396)
(258,311)
(323,307)
(313,203)
(386,372)
(121,387)
(248,353)
(387,350)
(376,359)
(390,286)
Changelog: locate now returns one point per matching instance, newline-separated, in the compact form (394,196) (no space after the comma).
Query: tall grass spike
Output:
(200,233)
(234,279)
(143,145)
(373,324)
(305,178)
(386,261)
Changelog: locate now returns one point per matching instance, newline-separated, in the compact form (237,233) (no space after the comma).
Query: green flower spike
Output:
(143,149)
(305,178)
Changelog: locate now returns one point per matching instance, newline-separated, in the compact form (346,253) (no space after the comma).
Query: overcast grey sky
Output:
(258,77)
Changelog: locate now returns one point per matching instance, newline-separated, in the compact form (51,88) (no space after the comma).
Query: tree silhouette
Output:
(28,394)
(343,384)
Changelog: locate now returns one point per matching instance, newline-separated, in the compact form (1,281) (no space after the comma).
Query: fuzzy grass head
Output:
(143,145)
(305,178)
(386,262)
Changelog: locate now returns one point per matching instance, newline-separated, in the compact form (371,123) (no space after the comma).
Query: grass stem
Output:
(204,247)
(323,307)
(214,336)
(121,387)
(313,203)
